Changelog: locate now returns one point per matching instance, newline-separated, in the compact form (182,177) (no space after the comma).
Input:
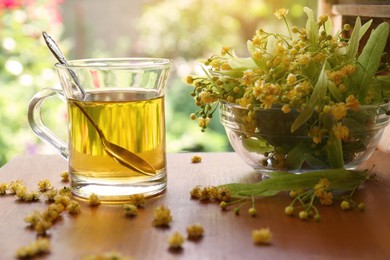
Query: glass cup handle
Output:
(36,122)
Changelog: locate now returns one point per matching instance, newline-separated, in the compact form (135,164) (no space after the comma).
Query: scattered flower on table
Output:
(3,188)
(195,231)
(262,236)
(130,210)
(15,185)
(44,185)
(73,207)
(137,200)
(35,248)
(51,194)
(196,159)
(210,193)
(65,191)
(176,240)
(24,195)
(65,176)
(93,200)
(162,216)
(62,200)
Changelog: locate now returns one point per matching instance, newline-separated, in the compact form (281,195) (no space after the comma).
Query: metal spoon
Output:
(118,153)
(53,47)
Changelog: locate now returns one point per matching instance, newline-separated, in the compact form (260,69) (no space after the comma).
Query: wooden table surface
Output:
(339,234)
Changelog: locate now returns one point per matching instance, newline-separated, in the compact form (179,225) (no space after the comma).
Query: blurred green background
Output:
(183,30)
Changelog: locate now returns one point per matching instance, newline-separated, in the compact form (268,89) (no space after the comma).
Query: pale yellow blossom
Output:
(352,102)
(195,231)
(338,111)
(175,240)
(280,13)
(340,131)
(262,236)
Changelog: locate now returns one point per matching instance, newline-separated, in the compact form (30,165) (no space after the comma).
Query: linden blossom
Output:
(284,70)
(329,91)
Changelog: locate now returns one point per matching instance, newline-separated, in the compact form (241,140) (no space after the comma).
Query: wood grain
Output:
(339,234)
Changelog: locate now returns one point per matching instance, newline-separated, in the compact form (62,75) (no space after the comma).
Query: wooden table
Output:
(339,234)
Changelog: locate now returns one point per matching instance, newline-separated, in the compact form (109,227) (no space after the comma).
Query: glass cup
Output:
(116,122)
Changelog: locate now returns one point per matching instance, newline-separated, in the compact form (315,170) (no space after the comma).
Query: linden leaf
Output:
(369,60)
(261,63)
(242,63)
(315,162)
(340,180)
(319,93)
(296,156)
(329,26)
(353,42)
(311,29)
(257,145)
(335,92)
(357,34)
(335,152)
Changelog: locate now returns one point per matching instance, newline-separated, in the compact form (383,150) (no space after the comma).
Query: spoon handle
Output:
(53,47)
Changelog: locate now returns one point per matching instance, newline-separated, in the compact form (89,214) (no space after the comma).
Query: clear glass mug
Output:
(116,143)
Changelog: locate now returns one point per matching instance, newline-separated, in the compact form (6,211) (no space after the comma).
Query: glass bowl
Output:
(263,138)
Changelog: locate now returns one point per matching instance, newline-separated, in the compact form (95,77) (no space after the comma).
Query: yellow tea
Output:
(132,119)
(116,142)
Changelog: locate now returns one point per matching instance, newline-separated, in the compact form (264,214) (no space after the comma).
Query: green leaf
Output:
(334,150)
(242,63)
(296,156)
(271,46)
(369,60)
(364,28)
(355,126)
(357,34)
(335,92)
(340,180)
(261,63)
(311,29)
(315,162)
(319,93)
(233,73)
(353,43)
(381,83)
(329,26)
(257,145)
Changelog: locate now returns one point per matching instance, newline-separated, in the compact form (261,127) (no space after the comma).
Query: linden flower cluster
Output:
(310,189)
(194,232)
(20,190)
(93,200)
(135,201)
(324,194)
(211,193)
(262,236)
(42,221)
(282,71)
(37,247)
(162,216)
(310,75)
